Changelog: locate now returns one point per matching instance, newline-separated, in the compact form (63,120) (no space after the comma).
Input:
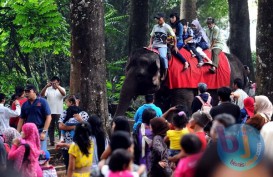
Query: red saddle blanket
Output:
(177,78)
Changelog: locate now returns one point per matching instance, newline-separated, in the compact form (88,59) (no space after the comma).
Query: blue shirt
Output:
(138,114)
(36,112)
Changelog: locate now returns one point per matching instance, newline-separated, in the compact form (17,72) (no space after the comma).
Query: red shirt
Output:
(14,120)
(202,137)
(186,166)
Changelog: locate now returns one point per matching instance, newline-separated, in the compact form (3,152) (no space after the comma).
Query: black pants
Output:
(51,129)
(192,47)
(66,158)
(177,54)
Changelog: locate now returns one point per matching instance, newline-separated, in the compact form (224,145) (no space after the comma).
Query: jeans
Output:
(51,129)
(163,54)
(72,132)
(192,47)
(173,152)
(43,143)
(178,55)
(66,158)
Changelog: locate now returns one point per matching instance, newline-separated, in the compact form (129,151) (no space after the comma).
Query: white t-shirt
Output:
(55,100)
(242,95)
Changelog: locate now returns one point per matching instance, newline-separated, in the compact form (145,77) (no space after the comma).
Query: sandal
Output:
(200,64)
(212,70)
(186,66)
(193,55)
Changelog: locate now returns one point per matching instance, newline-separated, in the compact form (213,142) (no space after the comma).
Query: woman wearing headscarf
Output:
(263,106)
(159,159)
(263,112)
(25,152)
(9,134)
(200,39)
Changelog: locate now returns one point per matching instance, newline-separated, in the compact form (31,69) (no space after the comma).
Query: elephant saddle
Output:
(179,78)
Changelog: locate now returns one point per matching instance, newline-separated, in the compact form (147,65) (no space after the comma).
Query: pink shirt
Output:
(186,166)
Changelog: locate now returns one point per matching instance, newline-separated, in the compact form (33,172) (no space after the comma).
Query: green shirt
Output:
(214,34)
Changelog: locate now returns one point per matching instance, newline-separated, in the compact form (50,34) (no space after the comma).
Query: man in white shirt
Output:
(239,94)
(55,95)
(158,39)
(6,113)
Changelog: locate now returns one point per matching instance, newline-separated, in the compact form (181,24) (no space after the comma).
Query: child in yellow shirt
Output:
(173,136)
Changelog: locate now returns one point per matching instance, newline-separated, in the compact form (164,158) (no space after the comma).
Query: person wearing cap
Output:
(158,39)
(202,94)
(48,170)
(216,43)
(36,110)
(6,113)
(54,94)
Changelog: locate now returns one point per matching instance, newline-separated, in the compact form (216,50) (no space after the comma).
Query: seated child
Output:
(191,145)
(179,122)
(120,165)
(68,118)
(189,43)
(48,170)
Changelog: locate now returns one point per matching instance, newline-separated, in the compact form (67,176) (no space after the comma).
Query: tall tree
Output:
(139,19)
(88,55)
(188,10)
(239,38)
(264,45)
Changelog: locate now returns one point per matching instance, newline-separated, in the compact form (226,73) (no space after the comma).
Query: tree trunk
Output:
(88,53)
(139,20)
(239,37)
(188,10)
(264,45)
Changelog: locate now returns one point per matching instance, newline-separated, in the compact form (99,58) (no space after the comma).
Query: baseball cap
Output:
(159,15)
(30,87)
(44,157)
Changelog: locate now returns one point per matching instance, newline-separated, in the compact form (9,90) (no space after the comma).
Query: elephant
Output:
(142,76)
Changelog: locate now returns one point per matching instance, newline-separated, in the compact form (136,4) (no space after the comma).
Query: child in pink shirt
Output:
(191,145)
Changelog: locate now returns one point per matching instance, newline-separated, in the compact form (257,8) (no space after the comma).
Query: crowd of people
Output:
(180,142)
(191,36)
(175,143)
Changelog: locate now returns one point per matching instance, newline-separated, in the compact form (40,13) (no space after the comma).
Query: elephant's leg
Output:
(128,91)
(213,94)
(182,97)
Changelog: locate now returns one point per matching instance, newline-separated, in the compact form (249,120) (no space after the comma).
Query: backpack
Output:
(206,107)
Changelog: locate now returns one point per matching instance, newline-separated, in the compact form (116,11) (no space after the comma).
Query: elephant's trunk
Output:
(128,91)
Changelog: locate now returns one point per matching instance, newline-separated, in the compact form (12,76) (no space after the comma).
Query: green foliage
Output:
(217,9)
(9,81)
(113,20)
(39,24)
(115,79)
